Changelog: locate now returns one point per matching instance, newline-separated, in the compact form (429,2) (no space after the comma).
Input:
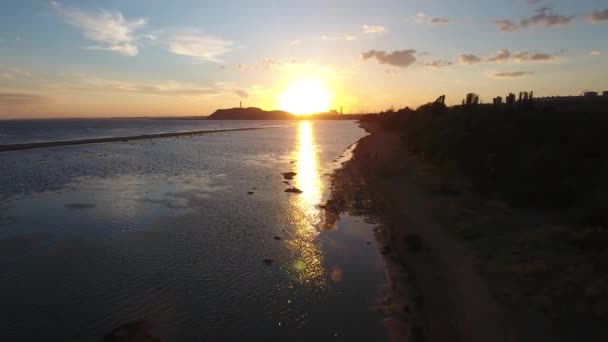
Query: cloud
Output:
(439,63)
(201,47)
(500,56)
(469,59)
(241,93)
(109,29)
(334,38)
(595,53)
(296,42)
(543,17)
(168,88)
(7,98)
(597,16)
(524,57)
(422,18)
(512,74)
(373,29)
(505,25)
(13,73)
(397,58)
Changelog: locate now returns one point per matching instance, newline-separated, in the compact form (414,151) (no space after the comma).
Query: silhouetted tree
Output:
(472,99)
(441,100)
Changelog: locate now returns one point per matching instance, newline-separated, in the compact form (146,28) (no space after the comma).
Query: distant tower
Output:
(341,110)
(240,104)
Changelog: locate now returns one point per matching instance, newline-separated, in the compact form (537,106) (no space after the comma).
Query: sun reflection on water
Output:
(308,257)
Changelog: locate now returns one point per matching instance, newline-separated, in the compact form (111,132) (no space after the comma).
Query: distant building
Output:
(590,94)
(605,94)
(511,99)
(497,100)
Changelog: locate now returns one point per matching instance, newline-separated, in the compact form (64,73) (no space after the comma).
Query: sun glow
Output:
(306,96)
(307,255)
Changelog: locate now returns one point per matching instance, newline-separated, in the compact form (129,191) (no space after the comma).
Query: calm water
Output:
(163,230)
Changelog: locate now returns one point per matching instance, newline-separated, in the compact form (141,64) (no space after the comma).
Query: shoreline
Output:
(47,144)
(434,291)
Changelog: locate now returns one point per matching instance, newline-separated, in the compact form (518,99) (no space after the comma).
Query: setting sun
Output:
(305,97)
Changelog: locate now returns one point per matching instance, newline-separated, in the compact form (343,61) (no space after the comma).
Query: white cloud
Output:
(109,29)
(374,29)
(20,99)
(14,73)
(423,18)
(596,53)
(200,46)
(334,38)
(167,88)
(296,42)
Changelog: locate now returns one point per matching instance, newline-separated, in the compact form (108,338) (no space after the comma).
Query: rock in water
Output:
(289,175)
(250,193)
(277,237)
(294,190)
(268,261)
(134,331)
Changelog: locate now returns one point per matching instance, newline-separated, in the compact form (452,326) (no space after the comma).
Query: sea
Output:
(174,232)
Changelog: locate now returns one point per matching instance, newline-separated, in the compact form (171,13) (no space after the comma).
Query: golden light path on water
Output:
(308,258)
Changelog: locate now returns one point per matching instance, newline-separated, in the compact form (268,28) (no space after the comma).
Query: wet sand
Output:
(46,144)
(434,290)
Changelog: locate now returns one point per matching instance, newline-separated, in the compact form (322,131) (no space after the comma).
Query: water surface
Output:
(164,230)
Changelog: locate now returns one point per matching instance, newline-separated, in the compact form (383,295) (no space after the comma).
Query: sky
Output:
(119,58)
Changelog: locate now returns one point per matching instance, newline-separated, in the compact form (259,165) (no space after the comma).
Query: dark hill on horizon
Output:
(251,113)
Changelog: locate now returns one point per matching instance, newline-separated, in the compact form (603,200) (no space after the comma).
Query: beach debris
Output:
(368,243)
(289,175)
(276,237)
(292,162)
(294,190)
(413,242)
(250,193)
(268,261)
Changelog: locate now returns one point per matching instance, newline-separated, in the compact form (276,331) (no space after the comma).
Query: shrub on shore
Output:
(530,156)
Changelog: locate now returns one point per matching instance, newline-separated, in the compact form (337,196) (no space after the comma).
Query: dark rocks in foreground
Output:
(289,175)
(277,237)
(268,261)
(294,190)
